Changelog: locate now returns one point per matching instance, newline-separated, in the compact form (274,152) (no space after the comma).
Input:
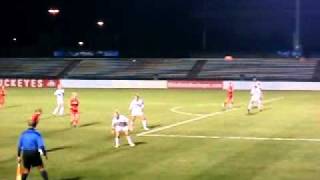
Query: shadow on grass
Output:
(12,106)
(140,143)
(257,112)
(72,178)
(59,148)
(89,124)
(154,126)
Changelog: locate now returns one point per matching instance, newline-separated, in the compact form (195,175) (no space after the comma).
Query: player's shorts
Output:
(136,112)
(255,98)
(122,128)
(74,111)
(60,102)
(31,159)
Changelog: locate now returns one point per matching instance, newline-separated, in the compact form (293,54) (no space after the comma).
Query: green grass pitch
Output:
(206,147)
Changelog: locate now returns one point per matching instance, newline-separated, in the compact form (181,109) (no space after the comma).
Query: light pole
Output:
(296,36)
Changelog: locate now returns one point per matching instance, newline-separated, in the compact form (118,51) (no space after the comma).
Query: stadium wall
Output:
(155,84)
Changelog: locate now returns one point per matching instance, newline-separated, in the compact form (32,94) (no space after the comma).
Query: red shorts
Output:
(74,111)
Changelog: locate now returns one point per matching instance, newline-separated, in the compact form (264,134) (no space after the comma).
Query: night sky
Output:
(157,28)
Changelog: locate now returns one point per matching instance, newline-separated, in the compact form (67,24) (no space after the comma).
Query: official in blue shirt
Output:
(30,145)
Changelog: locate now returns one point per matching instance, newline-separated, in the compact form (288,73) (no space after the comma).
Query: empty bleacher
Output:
(133,69)
(31,67)
(201,69)
(264,69)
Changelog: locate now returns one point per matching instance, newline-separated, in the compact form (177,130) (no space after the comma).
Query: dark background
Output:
(157,28)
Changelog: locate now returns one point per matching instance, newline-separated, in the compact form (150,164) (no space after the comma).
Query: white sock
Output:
(129,140)
(55,110)
(117,141)
(61,110)
(144,124)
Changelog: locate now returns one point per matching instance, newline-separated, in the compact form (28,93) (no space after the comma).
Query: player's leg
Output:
(259,104)
(77,119)
(25,173)
(43,172)
(56,109)
(144,123)
(131,122)
(2,100)
(130,142)
(61,108)
(117,138)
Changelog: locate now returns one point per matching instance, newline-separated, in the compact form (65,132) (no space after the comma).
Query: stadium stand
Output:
(31,68)
(263,69)
(195,68)
(133,69)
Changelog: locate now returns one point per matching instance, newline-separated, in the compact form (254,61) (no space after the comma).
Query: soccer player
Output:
(255,99)
(137,111)
(229,100)
(120,124)
(36,115)
(74,110)
(2,96)
(31,146)
(59,93)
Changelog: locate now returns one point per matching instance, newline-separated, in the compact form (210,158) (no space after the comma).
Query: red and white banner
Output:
(29,83)
(196,84)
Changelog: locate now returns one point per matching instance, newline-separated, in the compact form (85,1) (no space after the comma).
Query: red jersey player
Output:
(2,96)
(36,115)
(74,110)
(229,100)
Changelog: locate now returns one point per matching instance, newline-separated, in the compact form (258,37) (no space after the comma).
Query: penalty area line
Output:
(184,122)
(198,118)
(235,138)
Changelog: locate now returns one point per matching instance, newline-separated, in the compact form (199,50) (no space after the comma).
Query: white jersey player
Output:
(255,100)
(59,93)
(137,111)
(120,124)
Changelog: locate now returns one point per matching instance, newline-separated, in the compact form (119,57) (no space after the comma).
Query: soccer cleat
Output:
(132,145)
(117,146)
(146,129)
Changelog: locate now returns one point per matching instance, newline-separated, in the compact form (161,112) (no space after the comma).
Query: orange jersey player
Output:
(36,115)
(2,96)
(74,110)
(229,100)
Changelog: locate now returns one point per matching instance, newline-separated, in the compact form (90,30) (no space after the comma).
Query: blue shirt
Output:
(30,140)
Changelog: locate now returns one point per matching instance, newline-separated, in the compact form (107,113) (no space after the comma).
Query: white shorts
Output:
(59,102)
(136,112)
(121,128)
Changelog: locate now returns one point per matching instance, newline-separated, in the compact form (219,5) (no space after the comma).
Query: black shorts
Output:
(31,159)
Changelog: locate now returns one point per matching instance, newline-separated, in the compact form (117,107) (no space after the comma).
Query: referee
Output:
(30,145)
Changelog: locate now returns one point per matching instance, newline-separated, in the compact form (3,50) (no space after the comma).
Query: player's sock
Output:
(24,176)
(55,111)
(117,142)
(144,124)
(44,174)
(130,141)
(61,111)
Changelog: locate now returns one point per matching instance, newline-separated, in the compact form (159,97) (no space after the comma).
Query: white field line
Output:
(184,122)
(196,119)
(175,110)
(235,138)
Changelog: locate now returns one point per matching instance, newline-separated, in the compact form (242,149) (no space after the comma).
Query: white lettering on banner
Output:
(277,86)
(195,84)
(114,84)
(33,83)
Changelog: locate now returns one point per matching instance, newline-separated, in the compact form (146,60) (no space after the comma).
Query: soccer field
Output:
(191,136)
